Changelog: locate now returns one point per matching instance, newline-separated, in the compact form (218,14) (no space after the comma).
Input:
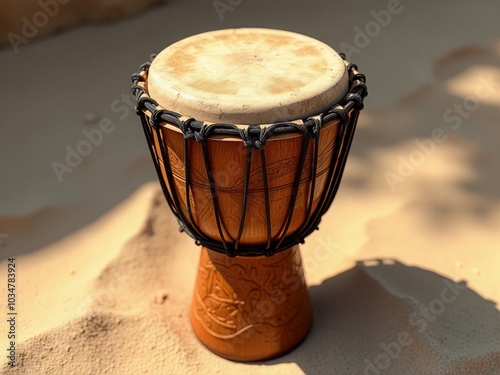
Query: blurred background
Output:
(69,73)
(421,185)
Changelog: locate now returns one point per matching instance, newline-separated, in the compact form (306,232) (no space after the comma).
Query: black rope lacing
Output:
(253,137)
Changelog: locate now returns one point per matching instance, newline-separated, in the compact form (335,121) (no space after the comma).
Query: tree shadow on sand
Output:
(383,317)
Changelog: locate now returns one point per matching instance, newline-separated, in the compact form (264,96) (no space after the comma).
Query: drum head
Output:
(248,76)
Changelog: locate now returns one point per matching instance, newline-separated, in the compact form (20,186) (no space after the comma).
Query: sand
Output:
(402,273)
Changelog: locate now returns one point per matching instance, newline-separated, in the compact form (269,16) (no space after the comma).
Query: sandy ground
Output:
(403,272)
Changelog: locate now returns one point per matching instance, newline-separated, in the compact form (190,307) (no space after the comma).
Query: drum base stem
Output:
(251,308)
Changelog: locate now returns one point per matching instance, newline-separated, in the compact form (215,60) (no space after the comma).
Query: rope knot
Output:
(198,137)
(186,128)
(189,134)
(315,126)
(252,137)
(341,113)
(156,118)
(357,99)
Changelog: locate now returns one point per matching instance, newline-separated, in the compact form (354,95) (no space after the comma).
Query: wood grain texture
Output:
(251,308)
(228,168)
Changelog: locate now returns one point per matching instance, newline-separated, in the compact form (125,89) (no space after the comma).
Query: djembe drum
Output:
(249,130)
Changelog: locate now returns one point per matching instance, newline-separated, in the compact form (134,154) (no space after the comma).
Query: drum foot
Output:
(251,308)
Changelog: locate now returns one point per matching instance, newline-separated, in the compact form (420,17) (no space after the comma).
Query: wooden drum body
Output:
(227,157)
(248,192)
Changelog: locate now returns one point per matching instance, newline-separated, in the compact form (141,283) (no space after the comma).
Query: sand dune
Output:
(403,272)
(130,303)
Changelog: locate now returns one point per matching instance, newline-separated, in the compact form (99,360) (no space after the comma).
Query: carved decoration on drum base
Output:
(251,308)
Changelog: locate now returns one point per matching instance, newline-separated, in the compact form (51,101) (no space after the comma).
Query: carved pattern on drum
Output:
(241,297)
(229,180)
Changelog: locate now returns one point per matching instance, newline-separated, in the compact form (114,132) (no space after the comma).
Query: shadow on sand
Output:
(383,317)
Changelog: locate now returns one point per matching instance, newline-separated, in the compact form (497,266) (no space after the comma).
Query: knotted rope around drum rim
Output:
(253,137)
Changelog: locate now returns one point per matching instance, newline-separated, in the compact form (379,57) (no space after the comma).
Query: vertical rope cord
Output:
(245,197)
(195,229)
(346,123)
(170,178)
(266,194)
(337,151)
(347,140)
(332,176)
(149,136)
(314,170)
(211,185)
(295,189)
